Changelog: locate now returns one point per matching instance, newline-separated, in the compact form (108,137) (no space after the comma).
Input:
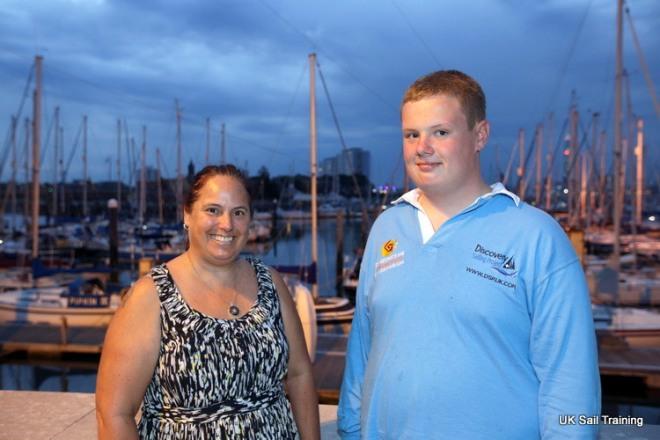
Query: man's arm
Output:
(564,354)
(359,342)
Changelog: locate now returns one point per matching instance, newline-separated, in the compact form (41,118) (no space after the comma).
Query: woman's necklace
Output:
(233,308)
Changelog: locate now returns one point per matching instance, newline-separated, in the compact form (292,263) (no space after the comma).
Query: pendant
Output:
(234,310)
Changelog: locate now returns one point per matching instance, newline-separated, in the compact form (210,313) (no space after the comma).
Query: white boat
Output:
(41,276)
(639,287)
(57,306)
(334,310)
(638,327)
(259,231)
(307,314)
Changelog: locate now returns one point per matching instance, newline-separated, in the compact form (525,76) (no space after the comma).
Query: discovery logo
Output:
(499,261)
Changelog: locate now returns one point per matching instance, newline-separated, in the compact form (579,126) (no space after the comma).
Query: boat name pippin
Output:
(89,301)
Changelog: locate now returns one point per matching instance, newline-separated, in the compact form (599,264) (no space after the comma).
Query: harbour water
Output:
(294,248)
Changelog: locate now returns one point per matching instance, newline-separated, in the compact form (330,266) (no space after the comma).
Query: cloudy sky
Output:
(244,63)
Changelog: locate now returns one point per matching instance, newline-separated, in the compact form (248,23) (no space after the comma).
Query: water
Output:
(40,375)
(294,248)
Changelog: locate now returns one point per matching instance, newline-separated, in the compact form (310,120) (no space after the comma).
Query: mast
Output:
(143,177)
(602,174)
(539,174)
(595,149)
(625,147)
(313,165)
(573,194)
(208,140)
(84,158)
(618,196)
(639,160)
(36,155)
(550,161)
(179,175)
(14,172)
(521,167)
(10,190)
(26,169)
(223,147)
(160,189)
(62,172)
(118,164)
(56,161)
(584,174)
(135,189)
(129,159)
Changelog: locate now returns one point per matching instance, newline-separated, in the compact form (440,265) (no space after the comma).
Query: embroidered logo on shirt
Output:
(388,248)
(508,268)
(389,262)
(502,263)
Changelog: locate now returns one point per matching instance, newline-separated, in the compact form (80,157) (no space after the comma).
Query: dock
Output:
(329,366)
(616,358)
(53,340)
(637,356)
(42,338)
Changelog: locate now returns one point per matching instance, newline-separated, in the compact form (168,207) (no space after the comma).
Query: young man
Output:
(473,319)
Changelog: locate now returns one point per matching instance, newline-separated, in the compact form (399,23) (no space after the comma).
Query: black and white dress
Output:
(218,379)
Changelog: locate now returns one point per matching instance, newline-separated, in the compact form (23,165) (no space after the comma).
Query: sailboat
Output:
(59,306)
(61,298)
(614,290)
(315,311)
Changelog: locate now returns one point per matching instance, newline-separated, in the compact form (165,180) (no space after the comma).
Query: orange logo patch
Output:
(388,248)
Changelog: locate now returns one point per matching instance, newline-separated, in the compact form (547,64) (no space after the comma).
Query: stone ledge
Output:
(71,416)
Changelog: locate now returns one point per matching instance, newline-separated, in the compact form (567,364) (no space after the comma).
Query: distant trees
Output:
(263,187)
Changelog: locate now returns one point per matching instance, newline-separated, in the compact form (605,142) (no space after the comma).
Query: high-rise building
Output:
(329,166)
(355,161)
(350,161)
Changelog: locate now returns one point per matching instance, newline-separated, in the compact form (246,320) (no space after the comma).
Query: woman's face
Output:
(219,220)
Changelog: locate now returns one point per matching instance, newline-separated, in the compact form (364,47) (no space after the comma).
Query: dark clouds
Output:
(244,63)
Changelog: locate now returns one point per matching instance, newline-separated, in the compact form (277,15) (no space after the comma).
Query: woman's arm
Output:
(128,360)
(300,381)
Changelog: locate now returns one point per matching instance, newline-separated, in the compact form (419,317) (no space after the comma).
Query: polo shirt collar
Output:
(412,196)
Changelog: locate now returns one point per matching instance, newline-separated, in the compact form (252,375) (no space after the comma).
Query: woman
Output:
(206,341)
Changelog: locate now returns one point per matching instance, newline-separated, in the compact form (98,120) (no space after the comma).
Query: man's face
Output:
(440,152)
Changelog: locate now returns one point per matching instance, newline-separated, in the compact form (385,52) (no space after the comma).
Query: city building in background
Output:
(349,161)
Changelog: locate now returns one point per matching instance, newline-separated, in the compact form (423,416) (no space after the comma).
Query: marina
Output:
(70,249)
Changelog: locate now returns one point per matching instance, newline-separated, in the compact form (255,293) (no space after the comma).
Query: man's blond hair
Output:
(451,83)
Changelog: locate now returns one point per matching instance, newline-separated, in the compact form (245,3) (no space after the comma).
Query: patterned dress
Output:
(218,379)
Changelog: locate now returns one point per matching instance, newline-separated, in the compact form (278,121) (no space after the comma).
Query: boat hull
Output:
(49,306)
(91,317)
